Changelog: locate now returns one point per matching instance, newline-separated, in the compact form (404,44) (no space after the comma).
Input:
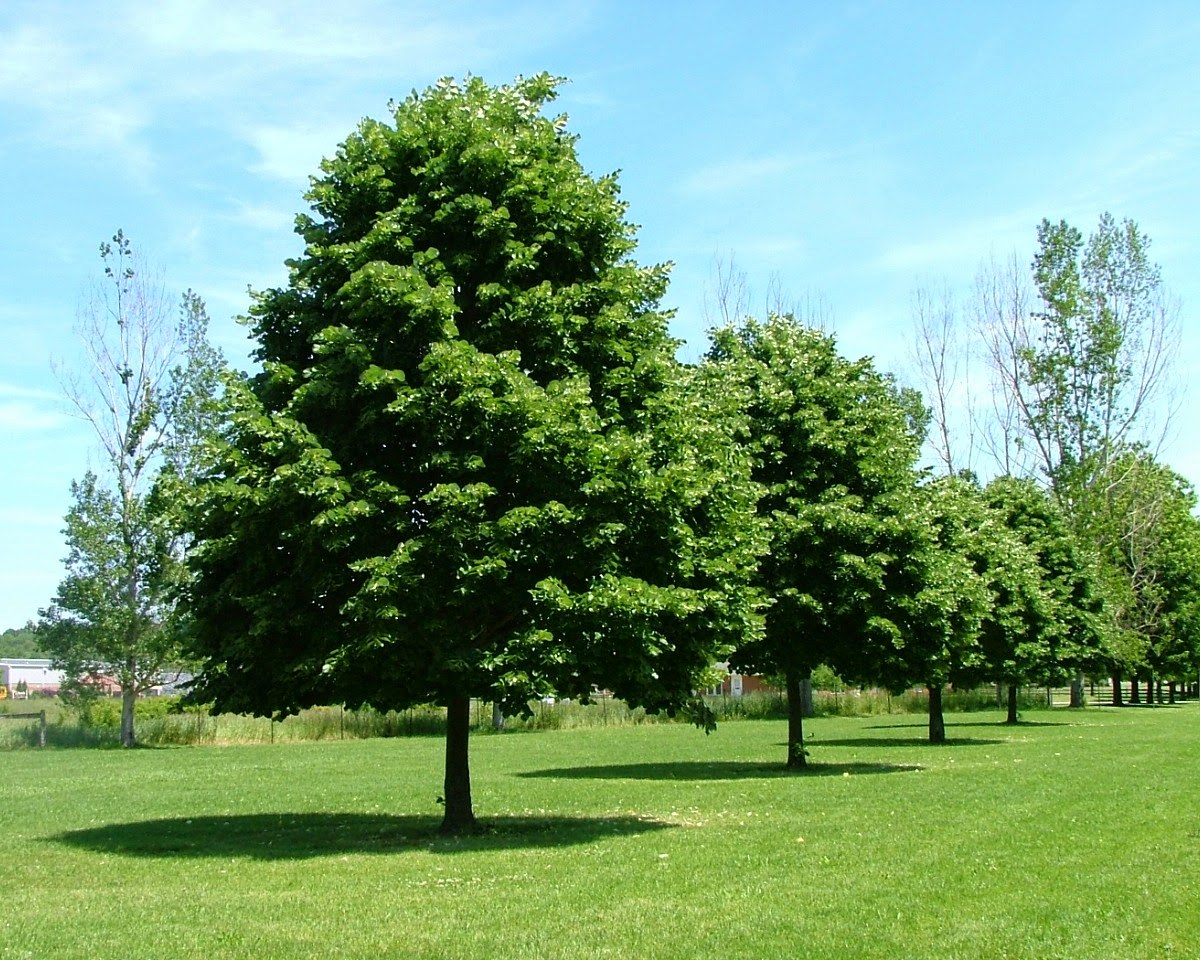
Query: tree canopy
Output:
(471,466)
(834,451)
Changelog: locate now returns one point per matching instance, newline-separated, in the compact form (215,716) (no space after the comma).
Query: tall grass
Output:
(162,721)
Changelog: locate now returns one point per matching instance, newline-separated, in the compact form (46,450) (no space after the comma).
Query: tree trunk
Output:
(1135,693)
(1012,704)
(1149,691)
(459,817)
(806,697)
(128,705)
(1170,691)
(497,717)
(1118,700)
(1077,690)
(796,759)
(937,722)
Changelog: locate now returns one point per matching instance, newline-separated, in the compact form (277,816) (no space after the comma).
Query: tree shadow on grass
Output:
(715,770)
(901,742)
(950,727)
(299,836)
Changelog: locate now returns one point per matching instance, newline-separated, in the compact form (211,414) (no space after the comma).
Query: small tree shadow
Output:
(714,770)
(298,836)
(950,727)
(902,742)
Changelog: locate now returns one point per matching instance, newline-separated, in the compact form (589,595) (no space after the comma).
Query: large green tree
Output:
(149,390)
(471,466)
(834,450)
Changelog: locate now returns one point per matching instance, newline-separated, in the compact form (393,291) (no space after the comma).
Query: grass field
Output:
(1074,835)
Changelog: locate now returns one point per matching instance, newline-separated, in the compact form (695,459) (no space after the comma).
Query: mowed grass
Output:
(1074,835)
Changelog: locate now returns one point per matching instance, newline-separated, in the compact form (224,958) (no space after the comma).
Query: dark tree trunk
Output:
(796,759)
(460,817)
(1158,690)
(1077,690)
(1135,693)
(1012,704)
(937,722)
(1118,700)
(1149,691)
(1170,691)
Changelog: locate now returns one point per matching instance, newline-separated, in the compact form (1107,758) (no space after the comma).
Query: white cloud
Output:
(24,517)
(737,173)
(22,416)
(26,410)
(264,216)
(294,153)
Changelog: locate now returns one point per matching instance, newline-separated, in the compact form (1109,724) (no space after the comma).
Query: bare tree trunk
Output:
(1077,699)
(1135,693)
(459,816)
(1012,704)
(497,717)
(806,697)
(1117,696)
(937,721)
(128,704)
(796,758)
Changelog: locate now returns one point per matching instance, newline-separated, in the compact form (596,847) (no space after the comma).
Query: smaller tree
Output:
(1047,621)
(150,395)
(942,595)
(833,449)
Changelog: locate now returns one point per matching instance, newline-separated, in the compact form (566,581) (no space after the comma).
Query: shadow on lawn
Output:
(298,836)
(951,727)
(951,741)
(718,770)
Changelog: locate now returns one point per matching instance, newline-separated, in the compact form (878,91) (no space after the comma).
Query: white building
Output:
(37,674)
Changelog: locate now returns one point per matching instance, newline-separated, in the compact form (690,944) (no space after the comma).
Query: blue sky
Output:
(846,153)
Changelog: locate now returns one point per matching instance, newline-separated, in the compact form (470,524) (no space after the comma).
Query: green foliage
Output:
(471,465)
(834,453)
(21,643)
(1156,564)
(152,399)
(1099,352)
(1062,628)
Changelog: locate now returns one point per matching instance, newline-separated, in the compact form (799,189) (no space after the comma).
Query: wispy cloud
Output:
(23,410)
(294,153)
(738,173)
(100,76)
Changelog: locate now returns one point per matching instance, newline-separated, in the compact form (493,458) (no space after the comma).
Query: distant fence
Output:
(40,717)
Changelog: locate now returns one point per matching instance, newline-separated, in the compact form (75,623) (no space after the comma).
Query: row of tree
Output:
(471,466)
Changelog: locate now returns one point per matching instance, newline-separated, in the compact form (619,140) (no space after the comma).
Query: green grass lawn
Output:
(1074,835)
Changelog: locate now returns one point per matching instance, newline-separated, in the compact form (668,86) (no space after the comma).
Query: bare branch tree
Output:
(942,362)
